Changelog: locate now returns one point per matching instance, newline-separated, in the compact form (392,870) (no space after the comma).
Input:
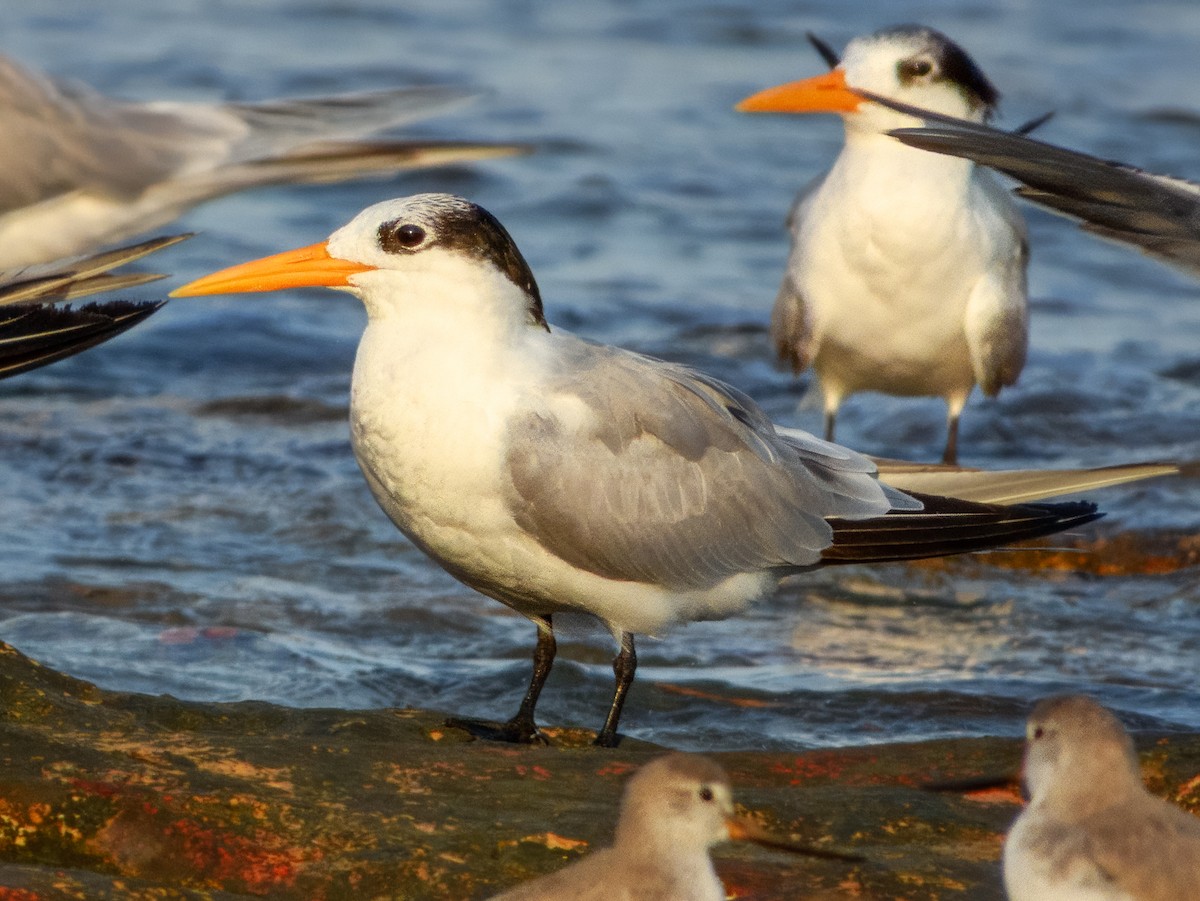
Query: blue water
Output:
(182,512)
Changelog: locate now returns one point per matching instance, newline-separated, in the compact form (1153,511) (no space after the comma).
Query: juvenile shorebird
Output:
(1092,832)
(907,269)
(674,809)
(555,474)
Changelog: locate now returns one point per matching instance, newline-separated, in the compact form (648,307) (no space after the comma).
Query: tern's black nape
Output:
(950,63)
(468,229)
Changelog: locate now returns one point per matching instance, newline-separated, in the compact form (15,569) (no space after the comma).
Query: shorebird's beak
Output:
(825,93)
(310,266)
(744,830)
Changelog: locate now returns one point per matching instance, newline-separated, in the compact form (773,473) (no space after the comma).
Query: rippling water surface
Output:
(182,512)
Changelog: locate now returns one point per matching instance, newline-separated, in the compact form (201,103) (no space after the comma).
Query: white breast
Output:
(887,252)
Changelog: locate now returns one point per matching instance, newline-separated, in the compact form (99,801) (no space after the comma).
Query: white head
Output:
(424,251)
(681,801)
(909,63)
(1078,753)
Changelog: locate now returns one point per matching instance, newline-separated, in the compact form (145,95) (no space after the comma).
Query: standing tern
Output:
(672,811)
(555,474)
(81,169)
(907,269)
(1158,214)
(1092,832)
(36,331)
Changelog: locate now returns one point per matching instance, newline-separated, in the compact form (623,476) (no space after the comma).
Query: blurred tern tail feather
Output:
(34,331)
(80,276)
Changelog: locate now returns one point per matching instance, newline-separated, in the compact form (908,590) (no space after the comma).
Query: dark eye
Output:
(1038,732)
(706,794)
(915,68)
(410,235)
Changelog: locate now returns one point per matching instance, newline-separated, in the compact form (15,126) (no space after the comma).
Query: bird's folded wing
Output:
(1151,849)
(644,471)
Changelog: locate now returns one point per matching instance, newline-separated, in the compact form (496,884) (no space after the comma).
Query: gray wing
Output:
(1156,213)
(1154,853)
(791,326)
(61,136)
(791,319)
(997,313)
(641,470)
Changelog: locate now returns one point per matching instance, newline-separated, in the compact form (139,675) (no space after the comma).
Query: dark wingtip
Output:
(1033,124)
(947,526)
(32,337)
(823,47)
(971,784)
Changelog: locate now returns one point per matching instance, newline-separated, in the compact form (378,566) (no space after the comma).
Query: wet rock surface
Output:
(113,795)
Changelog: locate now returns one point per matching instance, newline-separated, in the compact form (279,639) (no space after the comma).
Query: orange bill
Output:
(304,267)
(826,93)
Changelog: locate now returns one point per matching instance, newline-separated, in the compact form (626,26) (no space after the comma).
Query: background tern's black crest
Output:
(469,229)
(953,63)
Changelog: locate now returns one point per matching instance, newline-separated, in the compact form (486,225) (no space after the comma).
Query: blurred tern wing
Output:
(1157,213)
(81,169)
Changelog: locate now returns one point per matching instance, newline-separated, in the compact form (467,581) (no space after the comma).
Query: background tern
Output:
(907,270)
(1092,832)
(81,170)
(555,474)
(672,811)
(1157,213)
(35,330)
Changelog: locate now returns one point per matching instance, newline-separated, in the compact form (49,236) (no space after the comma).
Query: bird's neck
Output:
(1080,798)
(870,158)
(897,187)
(440,368)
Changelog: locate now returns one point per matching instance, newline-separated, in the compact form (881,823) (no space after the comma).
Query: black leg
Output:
(951,454)
(830,420)
(624,667)
(521,728)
